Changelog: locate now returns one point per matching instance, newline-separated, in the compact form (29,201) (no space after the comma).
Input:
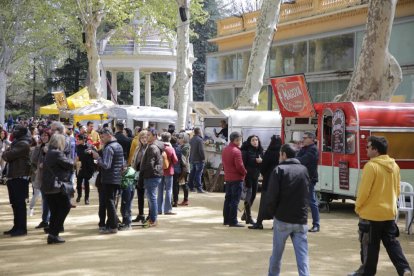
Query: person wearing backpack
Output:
(169,160)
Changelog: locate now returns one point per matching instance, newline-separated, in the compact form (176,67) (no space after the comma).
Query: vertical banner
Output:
(344,175)
(338,132)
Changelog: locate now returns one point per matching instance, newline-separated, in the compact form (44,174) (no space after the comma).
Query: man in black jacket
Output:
(308,156)
(18,171)
(122,139)
(111,164)
(287,200)
(197,159)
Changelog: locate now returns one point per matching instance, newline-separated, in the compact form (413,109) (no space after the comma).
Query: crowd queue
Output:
(52,156)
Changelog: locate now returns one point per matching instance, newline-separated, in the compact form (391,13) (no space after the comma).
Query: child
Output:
(128,188)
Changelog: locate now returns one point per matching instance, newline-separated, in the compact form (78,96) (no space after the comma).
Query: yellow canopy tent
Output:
(76,101)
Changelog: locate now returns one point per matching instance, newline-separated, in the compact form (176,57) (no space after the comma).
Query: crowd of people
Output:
(51,155)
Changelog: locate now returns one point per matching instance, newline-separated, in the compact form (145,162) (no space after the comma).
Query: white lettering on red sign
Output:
(291,96)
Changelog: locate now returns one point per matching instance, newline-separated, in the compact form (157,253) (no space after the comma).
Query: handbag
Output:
(65,187)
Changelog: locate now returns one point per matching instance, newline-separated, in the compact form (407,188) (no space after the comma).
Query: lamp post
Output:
(34,89)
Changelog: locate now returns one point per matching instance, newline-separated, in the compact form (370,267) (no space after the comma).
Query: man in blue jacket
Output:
(308,156)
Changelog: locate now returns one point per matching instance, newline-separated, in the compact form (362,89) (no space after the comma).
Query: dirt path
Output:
(192,243)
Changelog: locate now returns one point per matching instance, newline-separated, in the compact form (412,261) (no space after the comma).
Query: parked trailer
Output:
(342,129)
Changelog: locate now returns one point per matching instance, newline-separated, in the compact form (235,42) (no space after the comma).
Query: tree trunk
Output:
(3,91)
(93,61)
(377,74)
(184,70)
(266,26)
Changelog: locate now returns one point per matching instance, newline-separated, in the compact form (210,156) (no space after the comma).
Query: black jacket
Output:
(86,159)
(249,155)
(151,164)
(18,157)
(308,156)
(197,149)
(56,164)
(288,192)
(113,174)
(125,142)
(270,161)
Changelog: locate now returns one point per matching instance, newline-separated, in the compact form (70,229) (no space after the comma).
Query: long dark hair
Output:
(275,141)
(247,143)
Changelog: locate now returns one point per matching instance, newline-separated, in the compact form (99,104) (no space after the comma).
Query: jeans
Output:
(231,201)
(298,234)
(371,235)
(314,205)
(151,188)
(36,195)
(126,204)
(59,205)
(110,191)
(195,175)
(18,189)
(166,184)
(45,209)
(79,181)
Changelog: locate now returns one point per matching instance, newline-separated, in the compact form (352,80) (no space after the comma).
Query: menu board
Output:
(338,132)
(343,175)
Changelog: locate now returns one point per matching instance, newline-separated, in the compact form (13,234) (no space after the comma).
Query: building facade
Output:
(320,38)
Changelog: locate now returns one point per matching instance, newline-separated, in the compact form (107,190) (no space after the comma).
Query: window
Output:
(331,53)
(222,98)
(400,144)
(242,65)
(350,142)
(325,91)
(288,59)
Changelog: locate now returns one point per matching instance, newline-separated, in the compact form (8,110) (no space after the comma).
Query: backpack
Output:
(165,161)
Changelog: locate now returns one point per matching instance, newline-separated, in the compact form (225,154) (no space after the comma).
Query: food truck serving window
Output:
(400,144)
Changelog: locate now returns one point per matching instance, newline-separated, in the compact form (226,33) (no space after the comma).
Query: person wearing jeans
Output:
(308,156)
(151,173)
(288,197)
(167,179)
(234,174)
(151,188)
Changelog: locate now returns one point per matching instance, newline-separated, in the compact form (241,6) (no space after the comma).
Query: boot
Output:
(243,217)
(249,219)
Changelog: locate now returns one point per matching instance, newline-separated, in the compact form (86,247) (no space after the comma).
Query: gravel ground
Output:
(194,242)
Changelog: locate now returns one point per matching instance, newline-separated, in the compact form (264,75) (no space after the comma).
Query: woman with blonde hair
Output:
(56,165)
(136,164)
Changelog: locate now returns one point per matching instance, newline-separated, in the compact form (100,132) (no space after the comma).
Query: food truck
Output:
(342,129)
(208,117)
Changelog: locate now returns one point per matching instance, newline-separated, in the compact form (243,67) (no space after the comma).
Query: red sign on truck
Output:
(292,96)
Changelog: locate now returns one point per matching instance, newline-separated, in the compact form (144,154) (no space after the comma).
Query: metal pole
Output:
(34,89)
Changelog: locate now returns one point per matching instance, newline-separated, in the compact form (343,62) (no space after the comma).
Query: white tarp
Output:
(143,113)
(98,107)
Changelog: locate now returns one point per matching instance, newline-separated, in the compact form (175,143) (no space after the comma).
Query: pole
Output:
(34,89)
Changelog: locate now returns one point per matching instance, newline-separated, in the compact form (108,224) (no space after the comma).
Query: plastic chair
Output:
(406,206)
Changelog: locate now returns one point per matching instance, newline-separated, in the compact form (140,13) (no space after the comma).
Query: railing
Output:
(288,12)
(131,47)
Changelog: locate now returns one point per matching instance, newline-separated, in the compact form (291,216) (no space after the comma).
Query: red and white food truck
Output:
(342,129)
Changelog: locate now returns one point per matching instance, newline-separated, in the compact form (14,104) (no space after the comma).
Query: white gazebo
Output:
(152,53)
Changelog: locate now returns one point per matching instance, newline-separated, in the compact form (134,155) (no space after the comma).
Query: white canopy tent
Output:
(143,113)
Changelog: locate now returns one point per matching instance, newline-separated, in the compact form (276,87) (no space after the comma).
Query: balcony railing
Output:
(288,12)
(131,47)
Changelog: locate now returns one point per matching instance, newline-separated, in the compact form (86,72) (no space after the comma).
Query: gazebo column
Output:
(147,88)
(147,93)
(104,90)
(171,95)
(137,90)
(114,86)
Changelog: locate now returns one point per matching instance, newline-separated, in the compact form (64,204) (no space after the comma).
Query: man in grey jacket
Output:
(197,159)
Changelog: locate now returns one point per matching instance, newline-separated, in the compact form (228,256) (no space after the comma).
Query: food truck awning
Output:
(207,109)
(143,113)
